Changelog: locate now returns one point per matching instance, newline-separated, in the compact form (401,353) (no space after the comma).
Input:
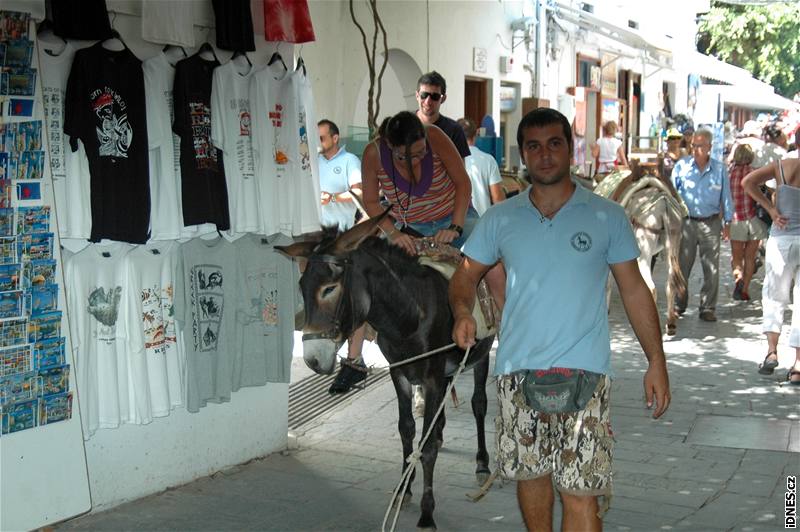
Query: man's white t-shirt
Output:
(156,353)
(230,132)
(96,280)
(337,175)
(70,170)
(483,172)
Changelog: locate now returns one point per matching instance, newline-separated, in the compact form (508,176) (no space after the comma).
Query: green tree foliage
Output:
(763,39)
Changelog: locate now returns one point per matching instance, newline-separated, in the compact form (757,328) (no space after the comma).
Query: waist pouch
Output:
(558,390)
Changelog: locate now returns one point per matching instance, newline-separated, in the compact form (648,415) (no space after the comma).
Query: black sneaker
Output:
(350,373)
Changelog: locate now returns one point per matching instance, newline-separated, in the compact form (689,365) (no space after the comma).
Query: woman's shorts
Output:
(745,230)
(575,448)
(431,228)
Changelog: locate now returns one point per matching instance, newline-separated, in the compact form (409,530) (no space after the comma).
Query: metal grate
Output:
(309,398)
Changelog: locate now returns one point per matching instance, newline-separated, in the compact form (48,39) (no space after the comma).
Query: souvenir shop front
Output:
(150,160)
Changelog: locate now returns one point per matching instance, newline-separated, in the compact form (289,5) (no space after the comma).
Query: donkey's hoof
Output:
(426,524)
(671,329)
(482,476)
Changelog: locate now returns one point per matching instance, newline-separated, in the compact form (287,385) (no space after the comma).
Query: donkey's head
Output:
(335,302)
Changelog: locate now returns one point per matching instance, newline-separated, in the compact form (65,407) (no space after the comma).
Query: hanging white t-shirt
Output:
(157,359)
(166,222)
(282,186)
(168,22)
(230,132)
(95,287)
(70,170)
(308,181)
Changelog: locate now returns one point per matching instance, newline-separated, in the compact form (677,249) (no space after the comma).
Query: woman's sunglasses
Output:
(435,96)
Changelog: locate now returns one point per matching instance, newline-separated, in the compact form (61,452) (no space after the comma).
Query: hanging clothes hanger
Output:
(114,33)
(300,63)
(242,53)
(171,46)
(277,57)
(206,47)
(45,26)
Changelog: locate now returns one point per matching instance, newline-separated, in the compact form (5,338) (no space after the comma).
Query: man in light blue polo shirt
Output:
(557,242)
(704,186)
(339,171)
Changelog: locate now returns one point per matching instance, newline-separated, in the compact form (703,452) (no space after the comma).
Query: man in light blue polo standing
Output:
(704,186)
(339,172)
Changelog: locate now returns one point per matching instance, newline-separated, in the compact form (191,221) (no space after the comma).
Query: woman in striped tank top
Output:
(423,178)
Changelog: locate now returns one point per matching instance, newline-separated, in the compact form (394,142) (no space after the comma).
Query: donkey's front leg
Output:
(405,425)
(479,405)
(434,396)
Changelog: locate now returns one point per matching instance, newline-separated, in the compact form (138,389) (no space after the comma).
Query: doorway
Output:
(476,99)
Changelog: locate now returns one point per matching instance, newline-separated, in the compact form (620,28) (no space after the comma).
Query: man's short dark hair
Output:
(544,116)
(469,127)
(333,129)
(433,78)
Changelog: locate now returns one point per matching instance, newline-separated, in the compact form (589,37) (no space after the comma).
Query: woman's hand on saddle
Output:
(402,240)
(464,331)
(445,236)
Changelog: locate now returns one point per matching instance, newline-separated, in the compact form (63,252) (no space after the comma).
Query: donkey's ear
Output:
(353,237)
(298,249)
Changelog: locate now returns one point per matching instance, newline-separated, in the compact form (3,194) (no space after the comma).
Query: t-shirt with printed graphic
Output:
(207,297)
(230,132)
(203,187)
(70,170)
(282,182)
(307,210)
(96,280)
(166,220)
(264,353)
(105,110)
(156,354)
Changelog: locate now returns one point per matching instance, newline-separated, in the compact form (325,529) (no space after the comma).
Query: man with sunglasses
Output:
(704,185)
(431,94)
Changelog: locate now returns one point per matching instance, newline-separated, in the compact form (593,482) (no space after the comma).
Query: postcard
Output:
(31,166)
(6,222)
(10,277)
(29,193)
(44,327)
(19,387)
(14,360)
(18,81)
(38,272)
(55,408)
(8,250)
(14,25)
(19,416)
(54,380)
(42,300)
(21,107)
(35,246)
(13,332)
(6,187)
(16,53)
(33,219)
(49,353)
(11,304)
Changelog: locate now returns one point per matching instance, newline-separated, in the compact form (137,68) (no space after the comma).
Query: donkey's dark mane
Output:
(394,255)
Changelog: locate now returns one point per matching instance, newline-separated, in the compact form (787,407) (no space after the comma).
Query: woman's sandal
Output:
(792,373)
(768,366)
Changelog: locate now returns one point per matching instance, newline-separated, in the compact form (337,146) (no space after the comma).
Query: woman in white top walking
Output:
(608,150)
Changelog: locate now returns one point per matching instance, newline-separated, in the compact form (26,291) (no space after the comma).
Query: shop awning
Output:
(710,67)
(623,35)
(745,96)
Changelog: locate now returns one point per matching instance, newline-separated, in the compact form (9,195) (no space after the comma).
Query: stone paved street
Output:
(717,460)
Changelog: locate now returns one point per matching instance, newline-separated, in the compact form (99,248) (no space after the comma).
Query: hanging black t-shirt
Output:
(105,109)
(456,134)
(234,25)
(203,186)
(81,19)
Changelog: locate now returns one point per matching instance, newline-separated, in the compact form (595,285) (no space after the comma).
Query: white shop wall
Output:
(137,460)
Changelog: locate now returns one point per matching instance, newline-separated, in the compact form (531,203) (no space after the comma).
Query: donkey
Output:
(355,277)
(656,216)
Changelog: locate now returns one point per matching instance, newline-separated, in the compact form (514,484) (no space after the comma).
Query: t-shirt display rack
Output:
(267,278)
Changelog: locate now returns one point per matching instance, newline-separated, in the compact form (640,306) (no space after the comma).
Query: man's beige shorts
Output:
(574,448)
(752,229)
